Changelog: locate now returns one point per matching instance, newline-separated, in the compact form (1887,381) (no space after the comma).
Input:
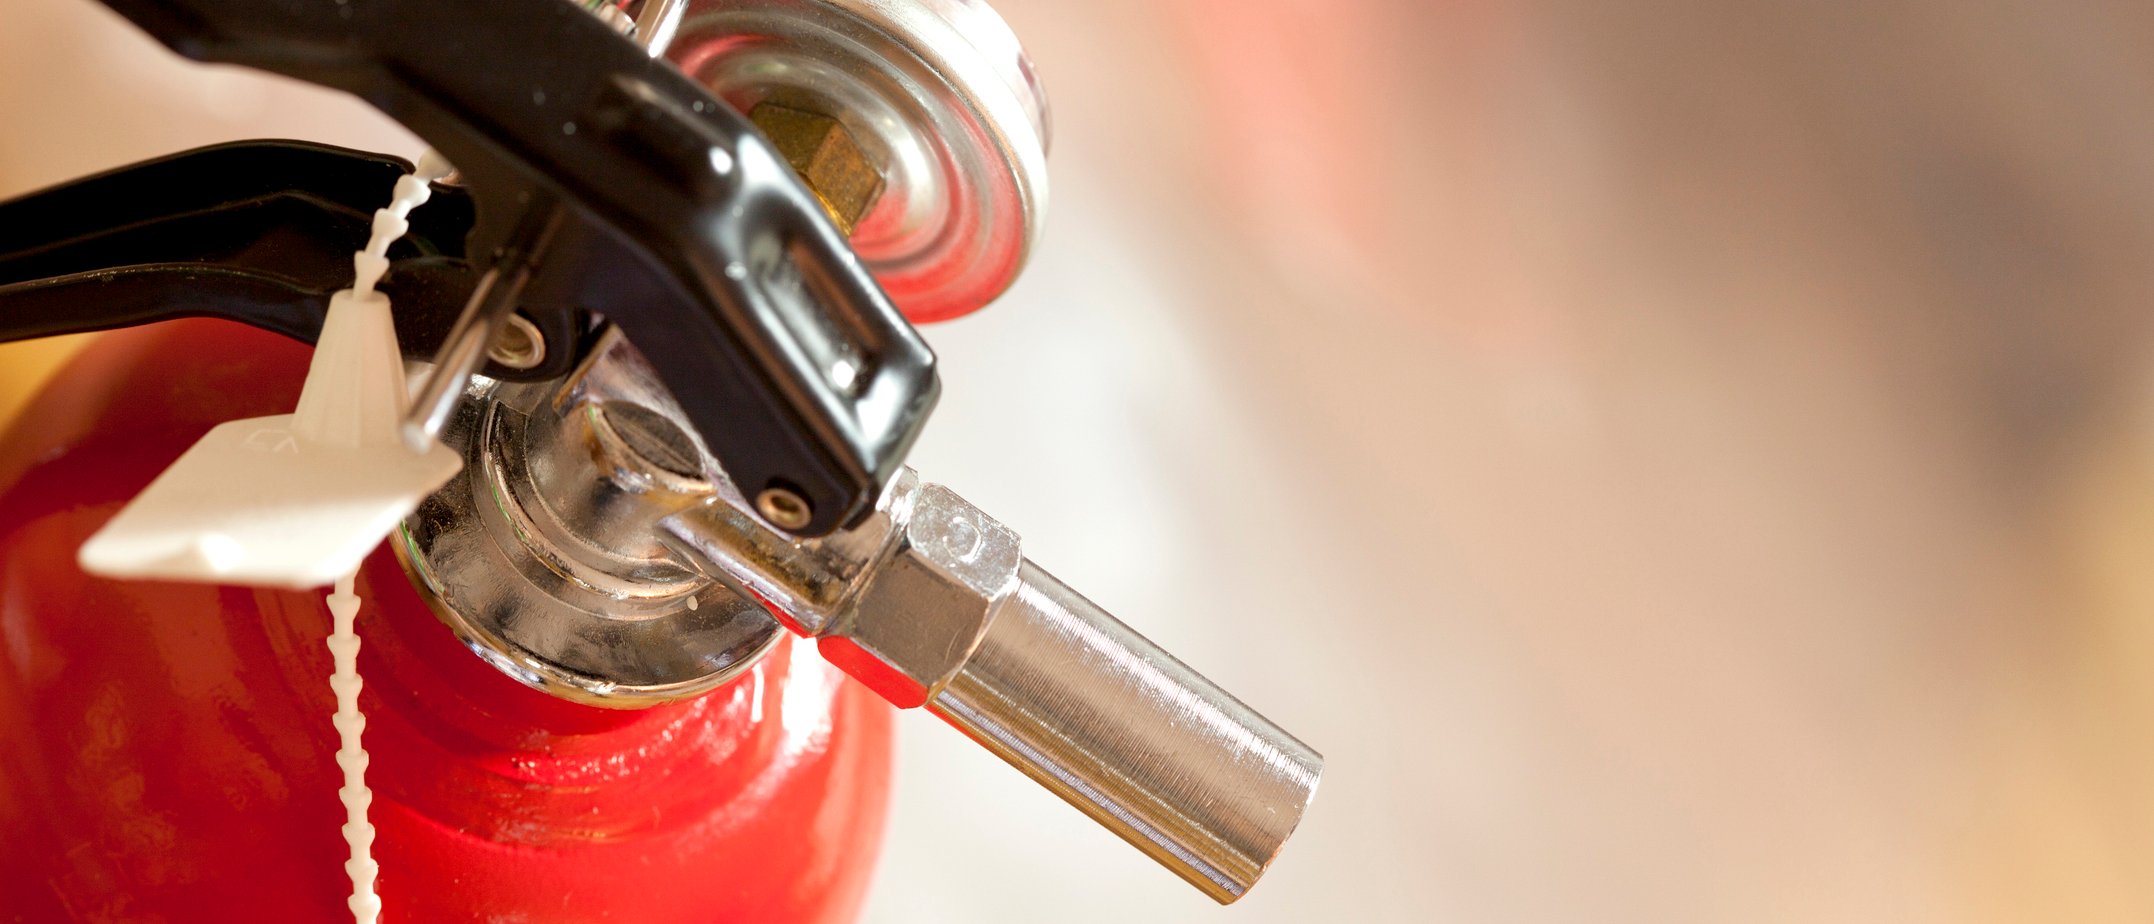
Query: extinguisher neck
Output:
(418,664)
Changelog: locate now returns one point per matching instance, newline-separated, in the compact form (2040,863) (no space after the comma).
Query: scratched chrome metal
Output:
(939,96)
(590,548)
(1136,739)
(542,556)
(1032,671)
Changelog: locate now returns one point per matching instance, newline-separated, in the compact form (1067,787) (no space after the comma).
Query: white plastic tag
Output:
(296,500)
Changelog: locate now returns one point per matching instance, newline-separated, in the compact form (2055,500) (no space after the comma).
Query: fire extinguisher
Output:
(168,747)
(665,308)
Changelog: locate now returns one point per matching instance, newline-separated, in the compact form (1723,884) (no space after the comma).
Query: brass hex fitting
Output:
(829,161)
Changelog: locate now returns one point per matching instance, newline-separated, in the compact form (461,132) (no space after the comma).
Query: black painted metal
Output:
(681,225)
(260,232)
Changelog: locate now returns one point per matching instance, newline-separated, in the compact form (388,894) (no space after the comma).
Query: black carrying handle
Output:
(687,229)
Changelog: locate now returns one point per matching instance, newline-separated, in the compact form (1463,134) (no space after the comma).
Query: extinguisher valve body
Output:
(612,549)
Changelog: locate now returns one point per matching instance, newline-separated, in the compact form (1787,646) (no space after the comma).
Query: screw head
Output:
(783,509)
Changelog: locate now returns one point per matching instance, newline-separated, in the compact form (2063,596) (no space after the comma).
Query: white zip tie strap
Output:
(351,754)
(390,223)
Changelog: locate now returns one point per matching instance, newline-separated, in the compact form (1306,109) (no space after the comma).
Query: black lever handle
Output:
(686,228)
(260,232)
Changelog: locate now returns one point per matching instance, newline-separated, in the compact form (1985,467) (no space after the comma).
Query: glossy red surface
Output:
(165,749)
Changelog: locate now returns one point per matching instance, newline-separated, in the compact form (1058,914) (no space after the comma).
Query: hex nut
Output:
(926,608)
(829,161)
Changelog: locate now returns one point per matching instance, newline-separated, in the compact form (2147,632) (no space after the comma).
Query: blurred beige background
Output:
(1680,461)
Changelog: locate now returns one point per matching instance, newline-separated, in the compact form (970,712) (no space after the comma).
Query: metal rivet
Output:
(519,345)
(782,508)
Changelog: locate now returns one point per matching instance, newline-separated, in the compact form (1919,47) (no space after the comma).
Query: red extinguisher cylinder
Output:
(166,749)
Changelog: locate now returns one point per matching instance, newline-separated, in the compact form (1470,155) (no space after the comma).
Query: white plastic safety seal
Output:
(299,500)
(295,500)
